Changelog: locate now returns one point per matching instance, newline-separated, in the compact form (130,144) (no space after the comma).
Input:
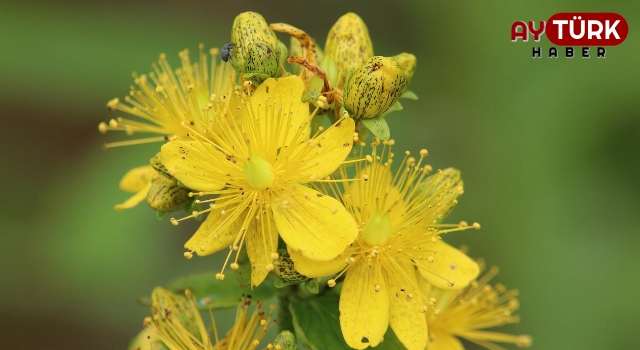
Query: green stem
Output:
(285,322)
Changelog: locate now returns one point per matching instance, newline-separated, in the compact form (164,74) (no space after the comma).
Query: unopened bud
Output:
(374,87)
(407,62)
(256,51)
(286,340)
(165,194)
(348,43)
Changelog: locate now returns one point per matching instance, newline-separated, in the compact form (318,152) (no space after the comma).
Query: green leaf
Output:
(396,107)
(311,285)
(410,95)
(221,294)
(316,322)
(378,126)
(162,214)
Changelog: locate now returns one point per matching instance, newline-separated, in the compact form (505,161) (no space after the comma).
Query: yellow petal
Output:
(214,234)
(277,115)
(405,318)
(316,226)
(199,166)
(449,264)
(261,241)
(364,312)
(322,155)
(441,341)
(316,269)
(137,178)
(135,199)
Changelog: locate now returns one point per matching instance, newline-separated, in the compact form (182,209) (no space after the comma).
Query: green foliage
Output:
(221,294)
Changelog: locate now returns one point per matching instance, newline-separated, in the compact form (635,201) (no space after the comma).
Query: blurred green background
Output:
(549,150)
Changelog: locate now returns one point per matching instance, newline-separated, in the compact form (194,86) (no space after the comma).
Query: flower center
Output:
(377,230)
(258,173)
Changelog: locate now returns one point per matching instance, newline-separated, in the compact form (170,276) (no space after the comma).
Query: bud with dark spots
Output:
(372,88)
(285,340)
(256,52)
(285,271)
(407,62)
(165,195)
(348,43)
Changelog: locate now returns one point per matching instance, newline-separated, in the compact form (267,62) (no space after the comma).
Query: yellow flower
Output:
(399,217)
(467,313)
(138,182)
(258,167)
(166,98)
(161,193)
(176,322)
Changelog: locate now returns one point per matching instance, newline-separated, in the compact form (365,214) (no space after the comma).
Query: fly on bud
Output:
(257,53)
(372,88)
(348,43)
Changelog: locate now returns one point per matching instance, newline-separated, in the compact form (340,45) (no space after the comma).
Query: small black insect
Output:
(225,54)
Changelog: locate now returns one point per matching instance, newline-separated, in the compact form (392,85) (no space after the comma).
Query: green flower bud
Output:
(165,195)
(263,63)
(373,88)
(250,28)
(256,52)
(286,340)
(348,43)
(283,268)
(407,62)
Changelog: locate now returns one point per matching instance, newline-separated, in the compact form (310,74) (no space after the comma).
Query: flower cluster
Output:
(268,144)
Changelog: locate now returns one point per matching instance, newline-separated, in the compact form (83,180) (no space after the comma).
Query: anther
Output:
(451,282)
(275,256)
(234,266)
(269,267)
(102,127)
(220,276)
(331,283)
(188,255)
(423,152)
(476,225)
(174,221)
(378,287)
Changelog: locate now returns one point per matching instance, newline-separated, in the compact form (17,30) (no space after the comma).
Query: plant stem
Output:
(285,322)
